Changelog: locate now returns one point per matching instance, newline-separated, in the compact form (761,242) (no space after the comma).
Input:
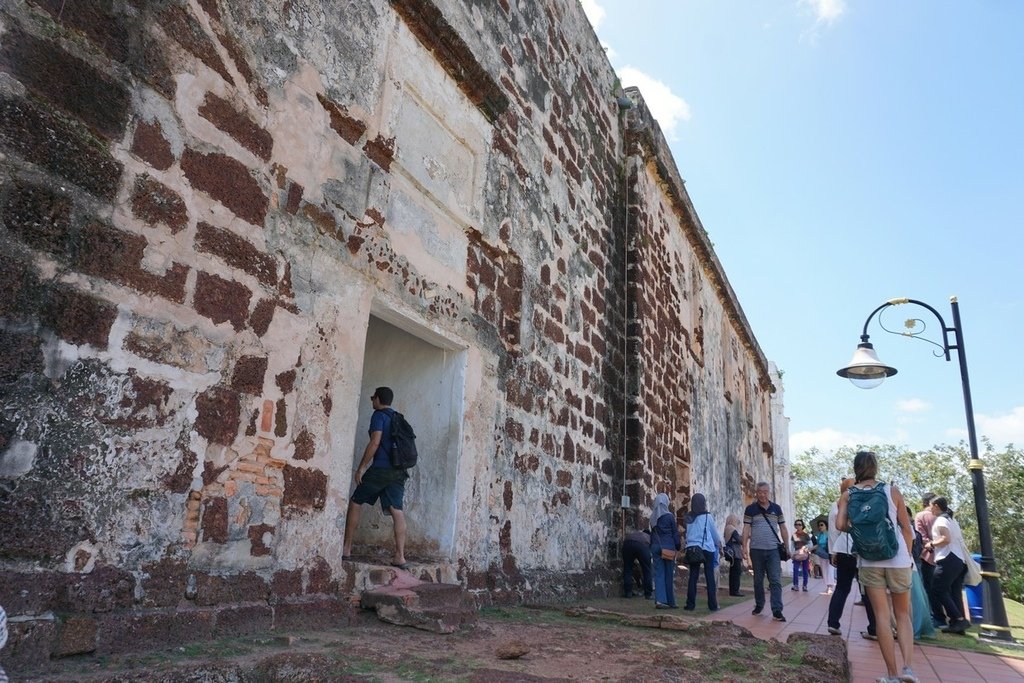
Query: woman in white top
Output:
(893,575)
(950,566)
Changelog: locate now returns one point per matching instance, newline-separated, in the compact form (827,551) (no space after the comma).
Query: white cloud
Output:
(828,439)
(667,107)
(826,12)
(913,405)
(1002,429)
(594,12)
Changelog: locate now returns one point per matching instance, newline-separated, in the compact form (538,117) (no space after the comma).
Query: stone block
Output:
(156,203)
(104,589)
(150,145)
(304,489)
(154,629)
(78,318)
(76,634)
(238,125)
(248,375)
(104,29)
(30,645)
(214,523)
(66,81)
(164,583)
(236,252)
(222,300)
(243,620)
(22,355)
(218,415)
(62,146)
(228,181)
(312,614)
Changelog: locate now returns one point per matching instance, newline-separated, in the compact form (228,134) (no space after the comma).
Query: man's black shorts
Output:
(385,483)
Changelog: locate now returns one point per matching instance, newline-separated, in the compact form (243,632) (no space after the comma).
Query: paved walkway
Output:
(807,612)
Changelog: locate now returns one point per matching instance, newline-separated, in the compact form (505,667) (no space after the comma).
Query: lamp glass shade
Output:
(865,370)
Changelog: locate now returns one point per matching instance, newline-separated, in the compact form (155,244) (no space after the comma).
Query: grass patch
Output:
(973,642)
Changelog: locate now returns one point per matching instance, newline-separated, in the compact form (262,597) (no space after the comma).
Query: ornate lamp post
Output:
(867,372)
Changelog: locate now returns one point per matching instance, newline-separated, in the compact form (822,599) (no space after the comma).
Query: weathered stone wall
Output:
(204,207)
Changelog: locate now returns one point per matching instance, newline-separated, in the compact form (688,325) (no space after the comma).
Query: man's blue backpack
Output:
(403,442)
(873,533)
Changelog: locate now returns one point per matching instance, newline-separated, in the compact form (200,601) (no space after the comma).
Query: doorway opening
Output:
(427,374)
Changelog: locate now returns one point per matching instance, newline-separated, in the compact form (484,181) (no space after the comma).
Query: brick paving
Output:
(807,612)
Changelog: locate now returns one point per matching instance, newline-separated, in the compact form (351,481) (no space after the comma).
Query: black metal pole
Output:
(997,625)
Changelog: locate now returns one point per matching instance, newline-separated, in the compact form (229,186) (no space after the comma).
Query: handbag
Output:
(973,577)
(783,551)
(694,554)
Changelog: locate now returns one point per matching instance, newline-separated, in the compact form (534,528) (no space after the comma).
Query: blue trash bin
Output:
(976,597)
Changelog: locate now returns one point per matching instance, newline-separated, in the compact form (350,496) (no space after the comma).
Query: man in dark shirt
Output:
(377,479)
(764,529)
(637,548)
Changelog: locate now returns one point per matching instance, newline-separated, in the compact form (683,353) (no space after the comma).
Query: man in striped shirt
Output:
(764,529)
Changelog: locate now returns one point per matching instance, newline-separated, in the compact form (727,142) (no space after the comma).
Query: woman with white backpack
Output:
(950,566)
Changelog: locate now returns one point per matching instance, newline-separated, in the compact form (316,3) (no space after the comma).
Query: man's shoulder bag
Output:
(783,550)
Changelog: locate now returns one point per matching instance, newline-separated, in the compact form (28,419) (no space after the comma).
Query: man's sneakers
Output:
(757,610)
(834,631)
(868,636)
(777,616)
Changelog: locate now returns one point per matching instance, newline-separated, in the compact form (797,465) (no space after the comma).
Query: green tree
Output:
(942,470)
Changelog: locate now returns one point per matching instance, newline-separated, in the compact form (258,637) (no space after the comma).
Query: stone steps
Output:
(399,597)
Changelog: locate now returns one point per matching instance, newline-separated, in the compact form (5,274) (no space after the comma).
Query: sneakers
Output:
(868,636)
(805,589)
(738,594)
(757,610)
(834,631)
(777,616)
(795,588)
(907,676)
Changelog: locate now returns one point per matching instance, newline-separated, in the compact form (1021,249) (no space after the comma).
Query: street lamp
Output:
(867,372)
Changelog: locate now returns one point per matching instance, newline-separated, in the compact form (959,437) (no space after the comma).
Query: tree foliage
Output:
(942,470)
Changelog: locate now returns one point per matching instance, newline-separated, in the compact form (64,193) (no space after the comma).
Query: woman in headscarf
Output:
(734,541)
(664,537)
(702,533)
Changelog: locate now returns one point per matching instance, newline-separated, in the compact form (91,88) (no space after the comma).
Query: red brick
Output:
(228,181)
(236,252)
(257,547)
(304,489)
(248,375)
(178,23)
(105,29)
(59,145)
(65,80)
(380,151)
(215,520)
(238,125)
(155,203)
(304,446)
(150,145)
(261,317)
(350,129)
(218,415)
(78,318)
(222,300)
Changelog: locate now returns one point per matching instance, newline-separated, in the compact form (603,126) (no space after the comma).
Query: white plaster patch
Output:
(74,554)
(18,459)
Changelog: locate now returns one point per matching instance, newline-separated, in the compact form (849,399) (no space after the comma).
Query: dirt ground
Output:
(553,644)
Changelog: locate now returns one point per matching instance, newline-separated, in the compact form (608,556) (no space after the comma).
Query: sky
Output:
(841,154)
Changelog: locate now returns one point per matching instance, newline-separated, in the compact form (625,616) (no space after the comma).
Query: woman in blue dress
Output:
(664,536)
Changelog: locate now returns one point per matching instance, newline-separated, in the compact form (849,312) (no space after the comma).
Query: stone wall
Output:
(205,208)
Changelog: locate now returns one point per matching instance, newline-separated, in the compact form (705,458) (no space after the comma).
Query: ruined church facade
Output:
(224,223)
